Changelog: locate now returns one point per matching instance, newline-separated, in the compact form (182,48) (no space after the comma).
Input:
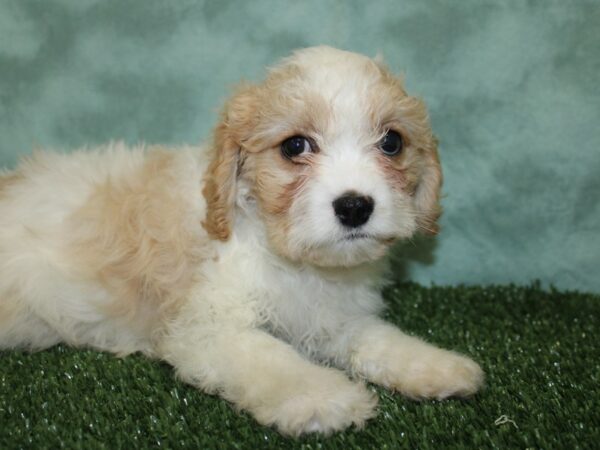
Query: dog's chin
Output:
(349,251)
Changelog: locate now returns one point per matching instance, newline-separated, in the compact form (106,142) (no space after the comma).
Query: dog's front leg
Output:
(268,378)
(382,354)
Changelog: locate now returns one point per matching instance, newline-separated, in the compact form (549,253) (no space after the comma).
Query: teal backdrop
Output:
(513,89)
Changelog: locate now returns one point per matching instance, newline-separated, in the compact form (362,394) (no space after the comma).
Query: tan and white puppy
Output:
(247,263)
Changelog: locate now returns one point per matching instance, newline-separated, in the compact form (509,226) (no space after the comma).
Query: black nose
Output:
(353,210)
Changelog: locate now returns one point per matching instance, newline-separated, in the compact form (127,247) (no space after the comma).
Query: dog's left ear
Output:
(427,194)
(237,121)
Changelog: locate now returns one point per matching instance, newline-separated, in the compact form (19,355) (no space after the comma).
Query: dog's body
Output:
(230,262)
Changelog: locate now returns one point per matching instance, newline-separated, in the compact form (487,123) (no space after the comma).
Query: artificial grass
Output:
(538,348)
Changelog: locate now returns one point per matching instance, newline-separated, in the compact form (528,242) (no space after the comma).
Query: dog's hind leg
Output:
(21,328)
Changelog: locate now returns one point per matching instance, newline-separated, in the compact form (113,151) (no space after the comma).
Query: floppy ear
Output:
(427,194)
(220,179)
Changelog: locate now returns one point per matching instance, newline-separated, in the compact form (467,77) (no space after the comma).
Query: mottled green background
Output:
(512,86)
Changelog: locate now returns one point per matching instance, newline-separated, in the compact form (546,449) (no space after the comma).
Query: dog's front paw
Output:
(447,375)
(437,374)
(386,356)
(327,404)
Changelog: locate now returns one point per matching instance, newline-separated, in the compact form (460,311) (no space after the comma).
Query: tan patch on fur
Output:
(219,185)
(132,237)
(417,169)
(395,172)
(281,203)
(236,125)
(417,172)
(427,195)
(9,179)
(276,180)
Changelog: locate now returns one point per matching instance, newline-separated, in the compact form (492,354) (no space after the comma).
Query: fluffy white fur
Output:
(228,261)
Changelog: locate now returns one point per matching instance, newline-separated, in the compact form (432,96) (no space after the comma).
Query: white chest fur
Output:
(302,304)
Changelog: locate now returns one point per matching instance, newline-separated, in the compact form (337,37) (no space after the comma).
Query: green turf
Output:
(539,350)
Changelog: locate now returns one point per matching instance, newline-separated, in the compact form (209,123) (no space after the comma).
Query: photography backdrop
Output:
(512,88)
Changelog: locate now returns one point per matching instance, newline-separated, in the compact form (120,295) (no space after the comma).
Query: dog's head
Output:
(340,159)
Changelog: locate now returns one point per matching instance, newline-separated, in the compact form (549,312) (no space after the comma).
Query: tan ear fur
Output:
(219,190)
(427,195)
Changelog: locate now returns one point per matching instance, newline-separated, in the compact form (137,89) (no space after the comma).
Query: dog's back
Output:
(79,240)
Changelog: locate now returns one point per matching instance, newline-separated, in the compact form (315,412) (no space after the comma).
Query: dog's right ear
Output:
(237,122)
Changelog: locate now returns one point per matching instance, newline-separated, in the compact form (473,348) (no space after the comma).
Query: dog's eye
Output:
(392,143)
(294,146)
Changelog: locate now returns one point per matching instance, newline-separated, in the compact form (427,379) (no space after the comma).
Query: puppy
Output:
(246,263)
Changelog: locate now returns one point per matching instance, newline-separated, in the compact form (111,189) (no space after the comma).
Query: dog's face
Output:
(340,160)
